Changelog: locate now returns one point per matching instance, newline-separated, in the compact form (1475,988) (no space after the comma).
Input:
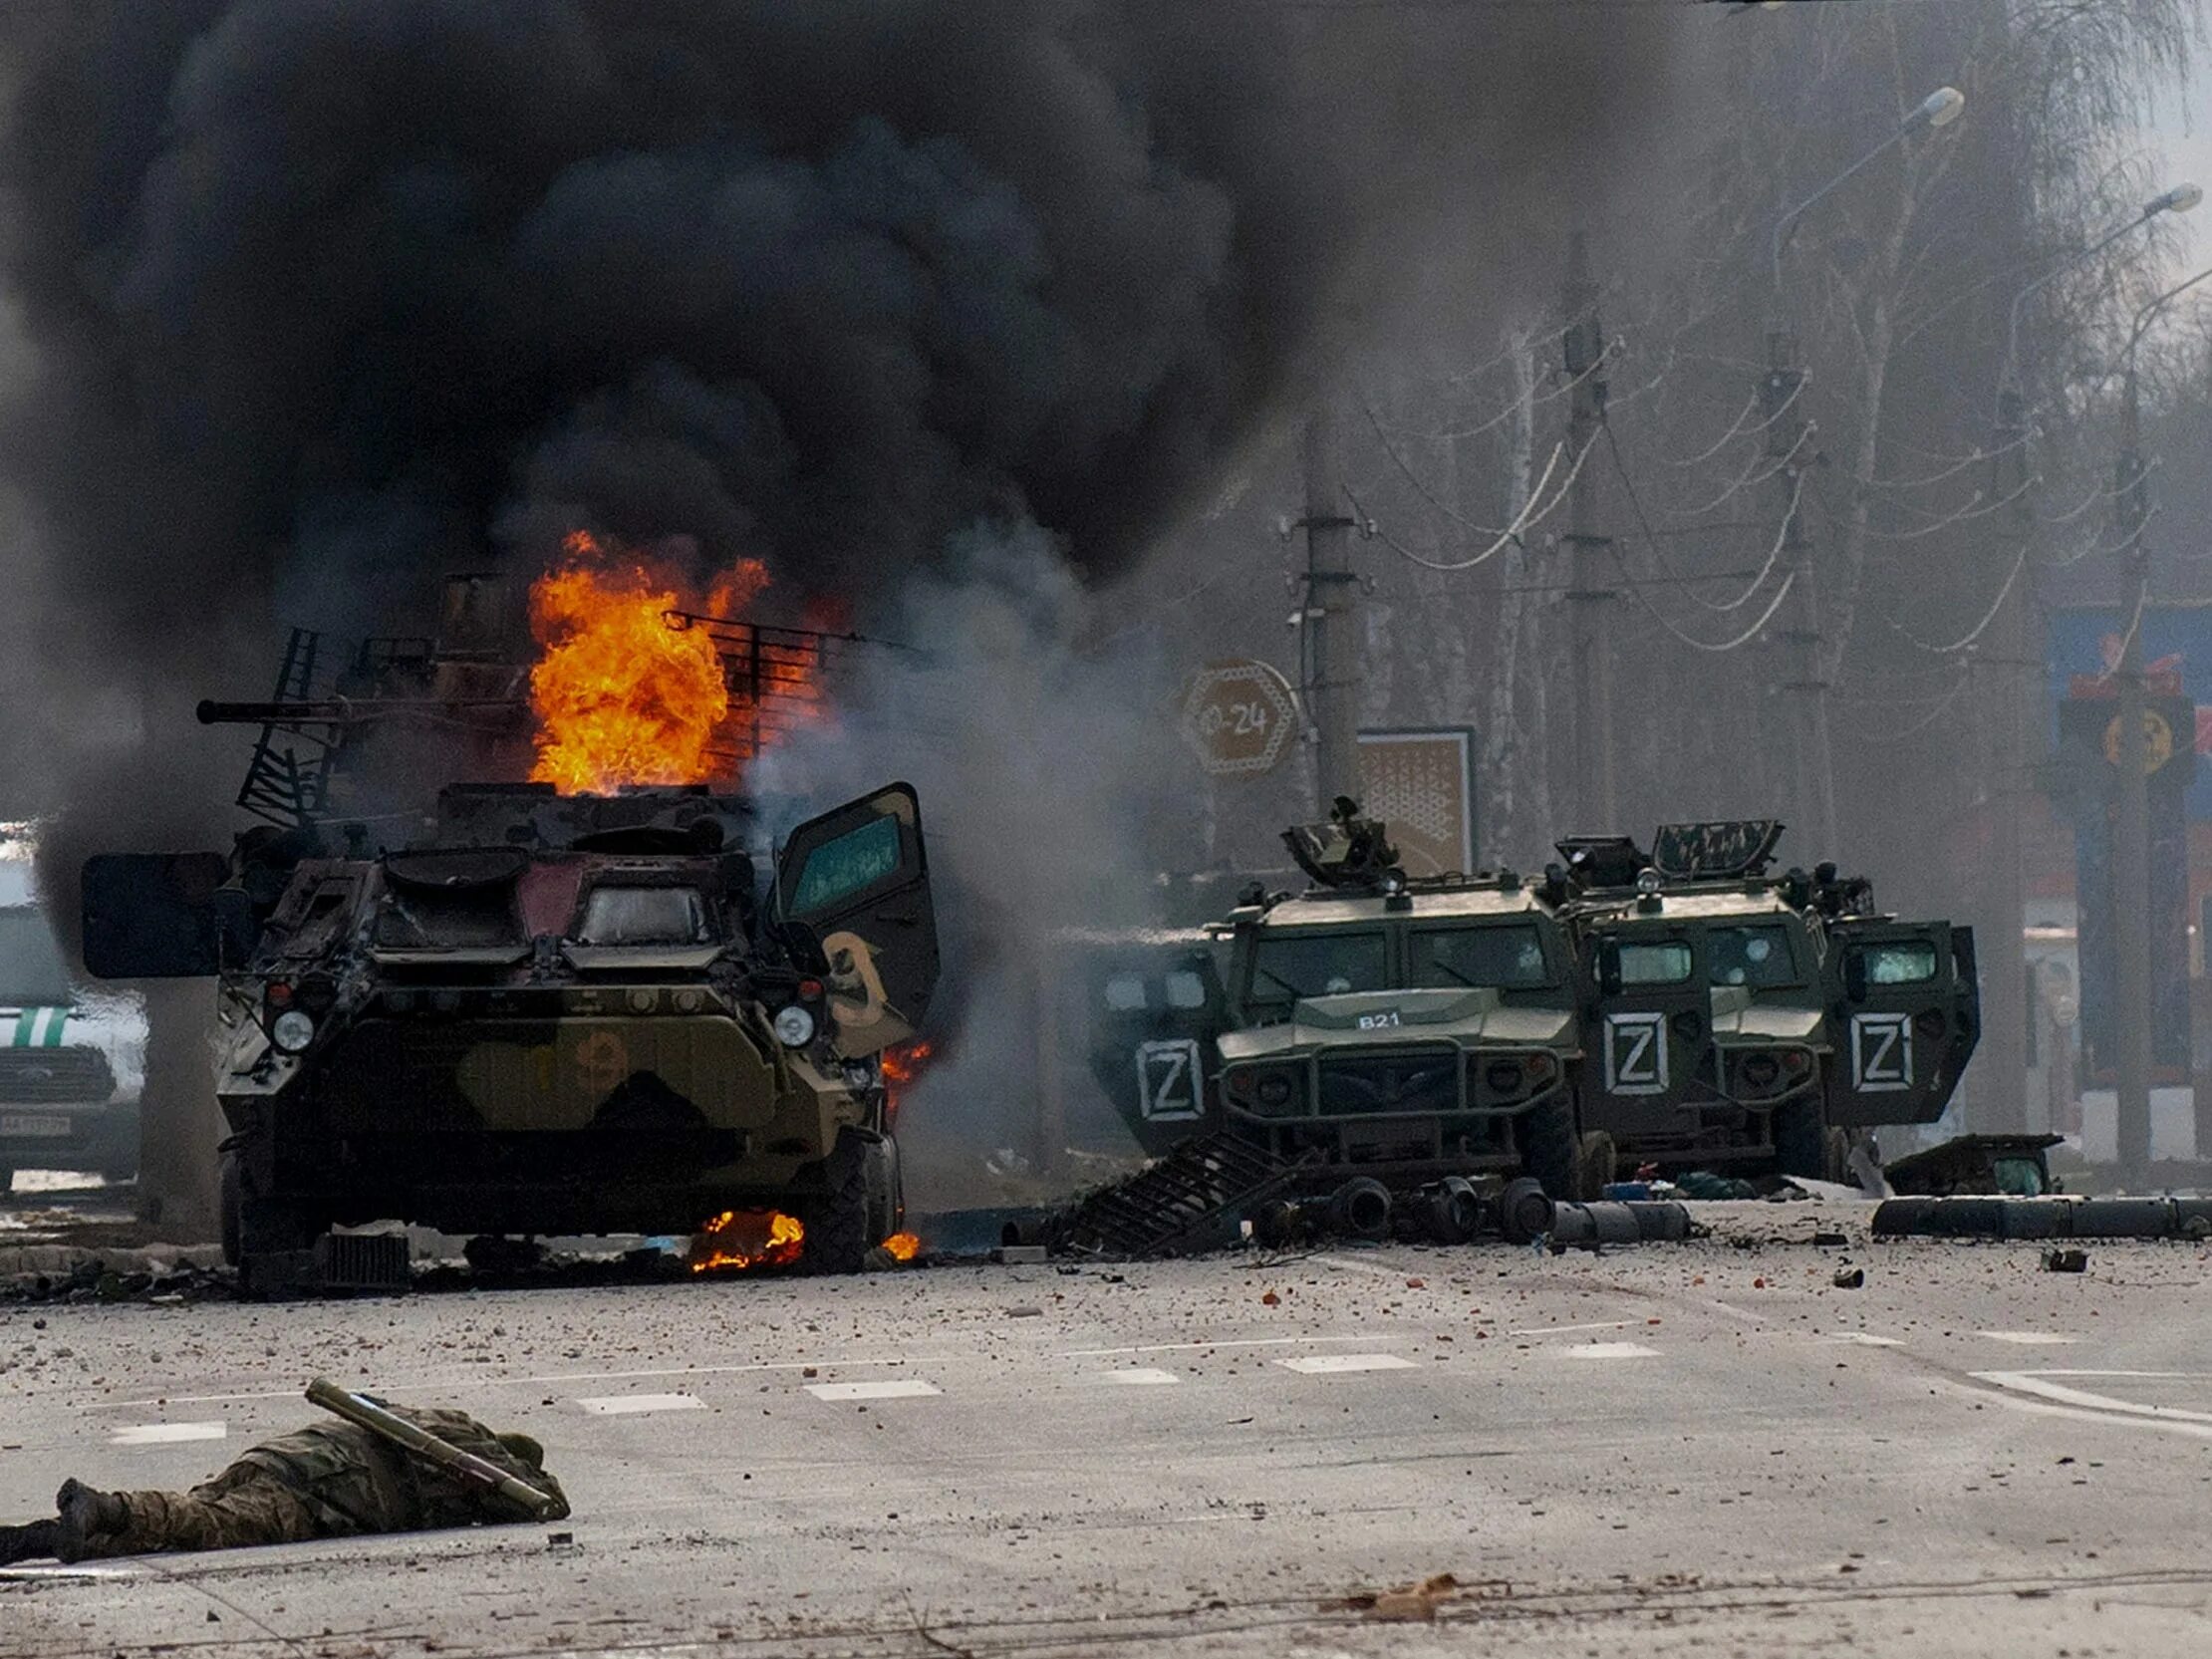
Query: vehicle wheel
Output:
(837,1240)
(1838,1161)
(887,1208)
(1801,1139)
(1524,1212)
(1360,1208)
(1594,1167)
(1548,1146)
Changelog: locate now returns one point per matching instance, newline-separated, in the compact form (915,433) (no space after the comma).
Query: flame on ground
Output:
(740,1239)
(903,1246)
(620,695)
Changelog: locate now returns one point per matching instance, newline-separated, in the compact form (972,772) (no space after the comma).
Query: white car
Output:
(72,1062)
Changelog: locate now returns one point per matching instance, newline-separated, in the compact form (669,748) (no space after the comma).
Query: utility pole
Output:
(1589,596)
(1998,1103)
(1788,433)
(1330,612)
(2131,992)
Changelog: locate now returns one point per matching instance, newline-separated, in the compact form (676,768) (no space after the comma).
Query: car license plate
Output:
(33,1123)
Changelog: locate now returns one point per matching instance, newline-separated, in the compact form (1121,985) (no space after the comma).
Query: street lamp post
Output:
(1781,386)
(2130,862)
(1938,109)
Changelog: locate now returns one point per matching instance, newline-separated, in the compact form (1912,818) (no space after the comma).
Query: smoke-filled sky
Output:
(321,297)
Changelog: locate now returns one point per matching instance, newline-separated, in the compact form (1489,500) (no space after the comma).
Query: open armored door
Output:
(1651,1031)
(859,877)
(163,916)
(1908,1015)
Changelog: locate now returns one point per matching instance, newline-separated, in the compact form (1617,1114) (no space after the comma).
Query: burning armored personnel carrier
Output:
(530,1013)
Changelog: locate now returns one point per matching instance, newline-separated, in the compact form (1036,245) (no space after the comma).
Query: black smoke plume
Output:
(320,296)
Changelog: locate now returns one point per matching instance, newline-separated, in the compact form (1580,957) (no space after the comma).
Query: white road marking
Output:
(1610,1350)
(1136,1377)
(1185,1347)
(2005,1392)
(1865,1339)
(193,1400)
(908,1388)
(721,1370)
(2030,1338)
(479,1380)
(1556,1330)
(164,1433)
(1321,1365)
(625,1405)
(2038,1383)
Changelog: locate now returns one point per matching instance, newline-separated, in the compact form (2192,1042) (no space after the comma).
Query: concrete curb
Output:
(57,1262)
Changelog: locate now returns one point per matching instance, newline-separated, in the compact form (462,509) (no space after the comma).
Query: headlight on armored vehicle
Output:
(292,1031)
(1505,1077)
(794,1027)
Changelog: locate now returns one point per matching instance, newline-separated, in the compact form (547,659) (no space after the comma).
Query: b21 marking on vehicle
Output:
(1881,1052)
(1168,1080)
(1383,1021)
(1636,1053)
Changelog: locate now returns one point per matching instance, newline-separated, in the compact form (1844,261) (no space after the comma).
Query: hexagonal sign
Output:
(1240,716)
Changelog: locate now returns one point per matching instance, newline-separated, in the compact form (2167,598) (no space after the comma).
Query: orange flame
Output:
(903,1246)
(740,1239)
(620,695)
(901,1066)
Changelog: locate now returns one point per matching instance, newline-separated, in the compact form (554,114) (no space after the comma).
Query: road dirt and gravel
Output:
(1705,1448)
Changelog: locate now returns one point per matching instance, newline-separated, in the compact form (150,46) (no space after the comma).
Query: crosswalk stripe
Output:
(1610,1350)
(2030,1338)
(1331,1364)
(1134,1377)
(626,1405)
(909,1388)
(166,1434)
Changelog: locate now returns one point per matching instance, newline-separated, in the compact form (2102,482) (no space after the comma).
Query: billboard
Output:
(2082,646)
(1421,783)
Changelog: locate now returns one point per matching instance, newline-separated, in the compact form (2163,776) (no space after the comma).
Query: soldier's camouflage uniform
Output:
(330,1481)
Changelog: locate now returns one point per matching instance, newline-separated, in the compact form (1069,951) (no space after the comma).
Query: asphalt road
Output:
(1691,1447)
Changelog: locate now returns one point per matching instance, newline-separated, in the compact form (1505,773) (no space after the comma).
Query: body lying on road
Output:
(328,1480)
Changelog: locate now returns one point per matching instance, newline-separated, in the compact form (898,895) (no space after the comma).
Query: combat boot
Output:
(87,1515)
(34,1542)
